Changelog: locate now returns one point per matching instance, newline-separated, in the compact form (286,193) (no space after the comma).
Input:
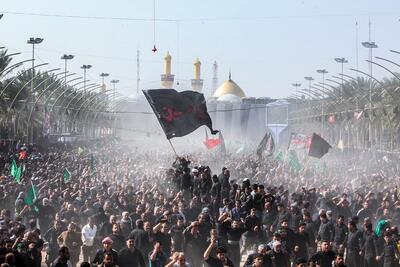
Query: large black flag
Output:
(267,143)
(318,146)
(179,113)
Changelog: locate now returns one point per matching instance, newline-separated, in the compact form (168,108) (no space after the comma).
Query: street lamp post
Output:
(296,85)
(66,58)
(309,79)
(341,61)
(370,45)
(114,82)
(323,72)
(103,75)
(33,41)
(85,68)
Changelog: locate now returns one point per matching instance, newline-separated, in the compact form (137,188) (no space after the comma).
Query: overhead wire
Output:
(201,19)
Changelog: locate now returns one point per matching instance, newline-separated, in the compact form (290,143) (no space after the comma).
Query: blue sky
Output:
(268,45)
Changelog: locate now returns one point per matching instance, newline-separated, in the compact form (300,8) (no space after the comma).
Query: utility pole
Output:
(66,57)
(215,78)
(33,41)
(85,68)
(137,71)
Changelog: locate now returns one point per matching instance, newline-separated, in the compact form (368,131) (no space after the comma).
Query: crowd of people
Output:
(105,205)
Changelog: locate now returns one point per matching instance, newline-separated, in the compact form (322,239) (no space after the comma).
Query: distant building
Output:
(239,118)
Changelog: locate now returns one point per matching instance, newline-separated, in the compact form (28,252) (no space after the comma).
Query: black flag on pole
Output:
(318,147)
(179,113)
(266,144)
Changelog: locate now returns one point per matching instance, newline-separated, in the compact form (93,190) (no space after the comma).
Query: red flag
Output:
(211,143)
(22,155)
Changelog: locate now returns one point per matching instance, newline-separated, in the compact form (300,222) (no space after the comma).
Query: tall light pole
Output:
(66,58)
(309,79)
(33,41)
(114,82)
(296,85)
(85,68)
(370,45)
(341,61)
(323,72)
(103,75)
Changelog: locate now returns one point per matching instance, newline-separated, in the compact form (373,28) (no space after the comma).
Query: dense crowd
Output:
(105,204)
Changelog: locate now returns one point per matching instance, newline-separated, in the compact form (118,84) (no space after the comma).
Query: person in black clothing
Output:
(221,260)
(353,244)
(310,230)
(279,257)
(340,232)
(161,235)
(389,256)
(194,244)
(215,193)
(253,224)
(326,229)
(141,237)
(117,238)
(63,258)
(225,185)
(282,215)
(268,217)
(369,248)
(339,261)
(186,184)
(46,215)
(325,257)
(301,243)
(51,238)
(176,233)
(130,256)
(106,227)
(261,251)
(107,248)
(234,232)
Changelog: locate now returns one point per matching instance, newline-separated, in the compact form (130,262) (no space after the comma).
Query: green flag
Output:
(67,175)
(293,161)
(279,157)
(16,171)
(13,168)
(18,174)
(31,196)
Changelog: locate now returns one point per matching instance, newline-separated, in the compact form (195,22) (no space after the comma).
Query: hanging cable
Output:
(154,27)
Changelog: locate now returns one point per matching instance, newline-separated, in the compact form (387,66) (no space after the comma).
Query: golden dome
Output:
(229,87)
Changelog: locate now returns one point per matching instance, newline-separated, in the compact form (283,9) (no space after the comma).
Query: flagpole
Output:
(172,147)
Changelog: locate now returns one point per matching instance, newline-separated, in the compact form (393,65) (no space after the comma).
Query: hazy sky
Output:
(268,45)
